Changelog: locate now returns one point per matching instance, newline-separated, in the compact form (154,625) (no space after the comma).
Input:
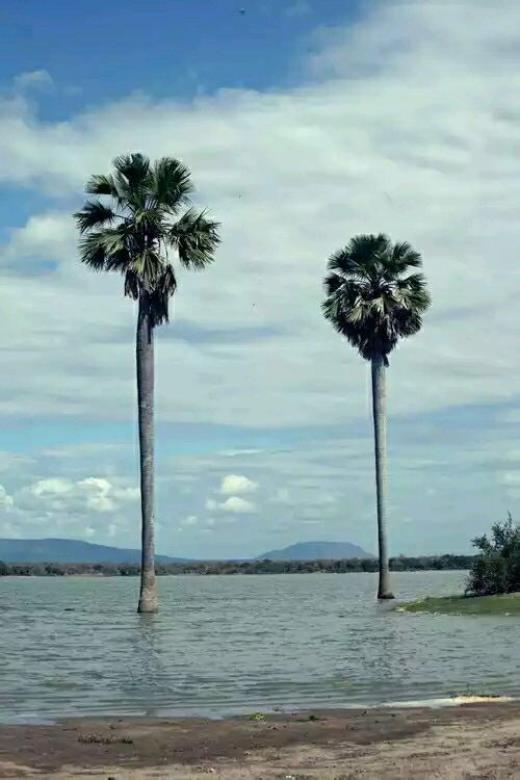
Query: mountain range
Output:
(313,551)
(68,551)
(73,551)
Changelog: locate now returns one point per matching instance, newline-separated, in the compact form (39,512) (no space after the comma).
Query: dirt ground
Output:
(472,742)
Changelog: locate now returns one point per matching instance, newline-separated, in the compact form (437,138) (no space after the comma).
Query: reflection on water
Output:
(238,644)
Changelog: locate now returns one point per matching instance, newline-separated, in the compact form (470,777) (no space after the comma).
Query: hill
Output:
(75,551)
(68,551)
(313,551)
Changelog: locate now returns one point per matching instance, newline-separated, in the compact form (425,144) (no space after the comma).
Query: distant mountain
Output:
(312,551)
(68,551)
(74,551)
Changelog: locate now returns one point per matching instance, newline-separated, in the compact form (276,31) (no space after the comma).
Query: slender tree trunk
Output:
(379,412)
(148,601)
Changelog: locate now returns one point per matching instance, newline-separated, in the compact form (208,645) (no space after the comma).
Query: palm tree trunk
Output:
(148,601)
(379,412)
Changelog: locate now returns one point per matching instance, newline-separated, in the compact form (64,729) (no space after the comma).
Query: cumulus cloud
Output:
(237,484)
(98,508)
(234,504)
(97,494)
(48,236)
(237,505)
(52,486)
(94,493)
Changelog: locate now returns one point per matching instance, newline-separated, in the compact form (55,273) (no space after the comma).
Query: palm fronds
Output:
(135,220)
(196,239)
(93,214)
(368,296)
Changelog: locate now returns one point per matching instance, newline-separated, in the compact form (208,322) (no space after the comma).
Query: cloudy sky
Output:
(304,122)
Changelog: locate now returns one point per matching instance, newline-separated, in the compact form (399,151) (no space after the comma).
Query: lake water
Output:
(223,644)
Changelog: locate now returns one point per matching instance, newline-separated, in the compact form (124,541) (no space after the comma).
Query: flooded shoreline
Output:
(224,646)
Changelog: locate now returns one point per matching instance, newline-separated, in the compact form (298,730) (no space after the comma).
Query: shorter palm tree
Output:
(373,300)
(135,231)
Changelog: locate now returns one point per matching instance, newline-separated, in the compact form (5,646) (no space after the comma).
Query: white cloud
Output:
(236,484)
(234,504)
(49,235)
(416,172)
(510,481)
(103,496)
(32,79)
(95,484)
(127,493)
(6,501)
(53,486)
(239,452)
(237,505)
(190,520)
(67,507)
(96,494)
(283,496)
(510,478)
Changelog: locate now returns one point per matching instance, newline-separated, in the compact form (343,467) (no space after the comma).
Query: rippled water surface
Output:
(222,644)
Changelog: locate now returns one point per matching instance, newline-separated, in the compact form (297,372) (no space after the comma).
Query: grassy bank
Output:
(466,605)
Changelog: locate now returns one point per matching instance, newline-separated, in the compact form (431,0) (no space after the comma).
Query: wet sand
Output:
(470,742)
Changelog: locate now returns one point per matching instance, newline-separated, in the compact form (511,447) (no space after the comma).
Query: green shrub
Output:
(497,568)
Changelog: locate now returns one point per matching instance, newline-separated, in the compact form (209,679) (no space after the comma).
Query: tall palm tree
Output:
(143,216)
(374,300)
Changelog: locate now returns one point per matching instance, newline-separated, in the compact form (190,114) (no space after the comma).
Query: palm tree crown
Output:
(132,230)
(371,298)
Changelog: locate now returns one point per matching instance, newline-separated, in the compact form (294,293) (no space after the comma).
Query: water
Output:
(225,644)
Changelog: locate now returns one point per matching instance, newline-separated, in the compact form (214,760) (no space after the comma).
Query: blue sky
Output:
(164,48)
(303,123)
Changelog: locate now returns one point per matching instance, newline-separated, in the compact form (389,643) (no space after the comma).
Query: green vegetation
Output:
(493,586)
(257,716)
(467,605)
(440,563)
(497,568)
(373,300)
(132,231)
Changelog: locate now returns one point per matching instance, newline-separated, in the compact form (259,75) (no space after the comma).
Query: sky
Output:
(304,123)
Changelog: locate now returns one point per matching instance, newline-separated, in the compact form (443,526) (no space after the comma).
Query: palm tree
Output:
(145,214)
(374,300)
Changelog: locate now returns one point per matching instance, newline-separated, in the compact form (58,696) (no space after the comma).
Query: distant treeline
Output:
(434,563)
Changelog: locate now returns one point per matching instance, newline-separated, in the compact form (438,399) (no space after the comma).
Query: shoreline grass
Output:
(507,605)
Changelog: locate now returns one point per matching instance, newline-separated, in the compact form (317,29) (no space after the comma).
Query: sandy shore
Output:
(472,742)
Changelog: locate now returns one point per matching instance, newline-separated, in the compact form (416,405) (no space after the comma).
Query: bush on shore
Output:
(497,568)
